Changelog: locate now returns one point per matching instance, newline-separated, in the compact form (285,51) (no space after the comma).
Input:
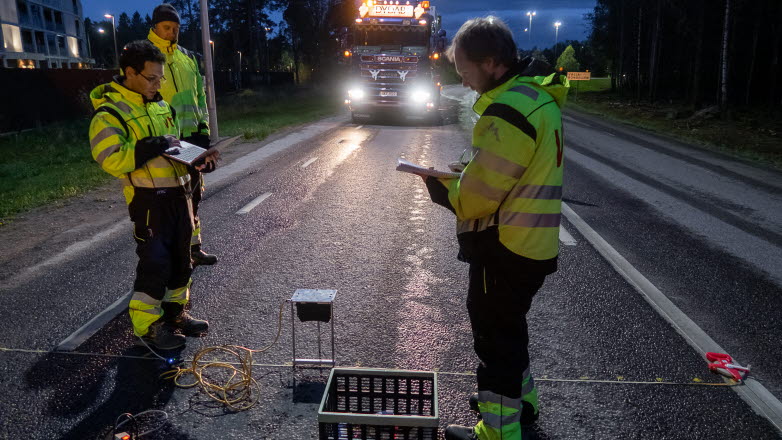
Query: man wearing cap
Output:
(184,90)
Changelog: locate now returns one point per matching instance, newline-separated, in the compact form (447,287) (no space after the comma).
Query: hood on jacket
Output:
(540,72)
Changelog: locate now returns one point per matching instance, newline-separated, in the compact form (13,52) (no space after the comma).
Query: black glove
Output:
(210,166)
(148,148)
(200,139)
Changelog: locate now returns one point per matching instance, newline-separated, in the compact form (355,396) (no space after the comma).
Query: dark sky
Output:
(454,13)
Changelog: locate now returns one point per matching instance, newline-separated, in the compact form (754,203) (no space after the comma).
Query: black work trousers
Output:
(162,226)
(498,299)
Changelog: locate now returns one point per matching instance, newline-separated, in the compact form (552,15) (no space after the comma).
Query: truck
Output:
(393,51)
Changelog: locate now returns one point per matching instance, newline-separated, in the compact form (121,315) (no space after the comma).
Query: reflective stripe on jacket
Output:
(113,141)
(514,180)
(184,86)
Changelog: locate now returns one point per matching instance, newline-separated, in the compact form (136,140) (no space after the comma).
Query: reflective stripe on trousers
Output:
(500,417)
(144,310)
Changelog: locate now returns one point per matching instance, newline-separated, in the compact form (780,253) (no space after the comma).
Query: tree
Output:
(537,54)
(568,60)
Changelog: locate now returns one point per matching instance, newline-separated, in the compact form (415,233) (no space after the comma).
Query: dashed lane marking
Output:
(752,391)
(309,162)
(257,201)
(565,237)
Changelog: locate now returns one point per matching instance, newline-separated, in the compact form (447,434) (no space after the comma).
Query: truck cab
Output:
(394,51)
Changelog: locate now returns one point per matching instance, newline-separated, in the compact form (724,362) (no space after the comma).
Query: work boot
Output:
(176,316)
(528,414)
(162,337)
(201,258)
(459,432)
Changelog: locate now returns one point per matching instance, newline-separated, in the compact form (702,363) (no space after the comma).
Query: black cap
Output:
(164,12)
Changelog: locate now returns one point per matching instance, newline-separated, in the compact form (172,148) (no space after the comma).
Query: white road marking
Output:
(93,325)
(251,161)
(309,162)
(610,134)
(359,127)
(565,237)
(256,201)
(752,391)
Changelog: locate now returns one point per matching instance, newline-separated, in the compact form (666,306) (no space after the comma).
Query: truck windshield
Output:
(400,40)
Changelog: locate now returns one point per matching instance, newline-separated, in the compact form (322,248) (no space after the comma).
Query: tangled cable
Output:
(229,382)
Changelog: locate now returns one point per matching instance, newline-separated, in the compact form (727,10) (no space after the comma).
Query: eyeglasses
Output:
(159,80)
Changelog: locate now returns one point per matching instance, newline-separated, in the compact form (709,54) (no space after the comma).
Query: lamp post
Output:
(114,28)
(530,14)
(239,73)
(268,61)
(556,38)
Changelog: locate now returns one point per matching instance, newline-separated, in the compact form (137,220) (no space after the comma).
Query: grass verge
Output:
(751,134)
(256,114)
(53,163)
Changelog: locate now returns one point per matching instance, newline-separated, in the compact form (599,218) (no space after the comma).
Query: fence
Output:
(35,97)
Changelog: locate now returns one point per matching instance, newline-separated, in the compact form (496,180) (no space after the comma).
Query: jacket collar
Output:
(165,46)
(136,98)
(524,70)
(500,85)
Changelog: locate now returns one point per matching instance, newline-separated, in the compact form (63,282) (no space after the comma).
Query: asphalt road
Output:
(703,229)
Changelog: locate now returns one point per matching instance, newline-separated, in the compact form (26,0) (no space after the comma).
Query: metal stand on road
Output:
(313,305)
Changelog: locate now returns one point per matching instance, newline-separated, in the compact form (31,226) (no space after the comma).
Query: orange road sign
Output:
(579,76)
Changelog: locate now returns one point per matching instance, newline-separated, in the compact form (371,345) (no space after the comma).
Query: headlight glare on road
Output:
(420,96)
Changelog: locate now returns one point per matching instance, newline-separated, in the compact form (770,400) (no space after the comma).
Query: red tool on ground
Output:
(722,363)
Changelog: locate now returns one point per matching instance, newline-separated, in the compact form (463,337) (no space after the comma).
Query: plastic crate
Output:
(374,404)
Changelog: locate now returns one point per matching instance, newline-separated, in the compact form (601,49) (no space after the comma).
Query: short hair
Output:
(138,52)
(483,38)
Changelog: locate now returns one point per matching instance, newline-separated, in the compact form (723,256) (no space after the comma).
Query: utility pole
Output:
(210,81)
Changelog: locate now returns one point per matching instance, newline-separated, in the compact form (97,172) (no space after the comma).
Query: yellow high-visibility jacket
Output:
(512,187)
(122,119)
(184,87)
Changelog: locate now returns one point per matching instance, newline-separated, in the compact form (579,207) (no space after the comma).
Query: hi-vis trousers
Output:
(162,227)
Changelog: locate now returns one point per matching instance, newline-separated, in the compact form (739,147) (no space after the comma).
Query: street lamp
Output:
(530,14)
(556,38)
(114,28)
(212,44)
(268,61)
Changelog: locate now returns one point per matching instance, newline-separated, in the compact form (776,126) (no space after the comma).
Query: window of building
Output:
(58,23)
(40,42)
(61,45)
(35,16)
(24,13)
(76,7)
(27,41)
(52,44)
(48,19)
(77,26)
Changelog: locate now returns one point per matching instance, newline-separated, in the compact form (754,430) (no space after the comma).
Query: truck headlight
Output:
(356,94)
(420,96)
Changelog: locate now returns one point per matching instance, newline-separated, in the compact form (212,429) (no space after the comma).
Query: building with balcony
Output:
(43,34)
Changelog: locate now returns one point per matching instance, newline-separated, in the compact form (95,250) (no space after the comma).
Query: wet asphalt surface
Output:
(609,366)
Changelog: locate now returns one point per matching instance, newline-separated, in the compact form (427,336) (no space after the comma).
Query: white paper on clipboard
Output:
(410,167)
